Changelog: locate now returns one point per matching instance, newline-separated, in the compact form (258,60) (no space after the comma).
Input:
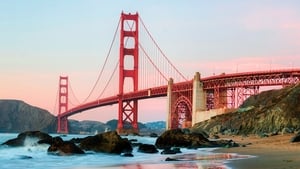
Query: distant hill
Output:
(271,111)
(114,123)
(18,116)
(158,125)
(87,127)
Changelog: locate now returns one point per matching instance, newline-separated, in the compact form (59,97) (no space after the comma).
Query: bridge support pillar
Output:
(170,104)
(199,98)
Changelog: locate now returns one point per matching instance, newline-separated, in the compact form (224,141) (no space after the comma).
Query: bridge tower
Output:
(129,45)
(62,126)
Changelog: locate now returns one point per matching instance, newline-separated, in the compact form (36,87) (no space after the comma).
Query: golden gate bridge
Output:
(145,72)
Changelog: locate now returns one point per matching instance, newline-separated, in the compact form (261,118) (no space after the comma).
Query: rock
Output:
(274,133)
(225,143)
(127,155)
(60,147)
(147,148)
(19,141)
(263,135)
(215,136)
(153,135)
(24,157)
(174,150)
(296,138)
(109,142)
(286,130)
(180,138)
(200,131)
(171,159)
(76,140)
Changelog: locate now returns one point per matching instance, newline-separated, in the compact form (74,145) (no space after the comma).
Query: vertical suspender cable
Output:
(102,69)
(161,50)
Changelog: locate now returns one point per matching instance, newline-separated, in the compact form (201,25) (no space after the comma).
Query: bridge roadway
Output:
(234,80)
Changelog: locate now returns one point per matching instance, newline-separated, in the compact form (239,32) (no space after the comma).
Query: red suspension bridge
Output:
(145,72)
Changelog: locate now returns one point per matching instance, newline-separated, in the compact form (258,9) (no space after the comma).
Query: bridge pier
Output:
(184,105)
(199,98)
(169,104)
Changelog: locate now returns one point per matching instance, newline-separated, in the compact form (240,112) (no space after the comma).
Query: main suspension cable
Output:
(108,82)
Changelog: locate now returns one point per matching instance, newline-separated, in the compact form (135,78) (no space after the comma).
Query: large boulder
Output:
(33,138)
(181,138)
(109,142)
(187,138)
(60,147)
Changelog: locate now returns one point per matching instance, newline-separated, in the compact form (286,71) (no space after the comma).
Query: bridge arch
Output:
(182,114)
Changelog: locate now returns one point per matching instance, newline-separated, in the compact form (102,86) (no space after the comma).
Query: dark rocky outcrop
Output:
(273,111)
(181,138)
(296,138)
(147,148)
(188,139)
(18,116)
(109,142)
(35,137)
(60,147)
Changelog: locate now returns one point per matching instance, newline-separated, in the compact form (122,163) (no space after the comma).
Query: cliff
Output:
(18,116)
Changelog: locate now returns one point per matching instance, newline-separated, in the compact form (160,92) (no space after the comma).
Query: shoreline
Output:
(274,152)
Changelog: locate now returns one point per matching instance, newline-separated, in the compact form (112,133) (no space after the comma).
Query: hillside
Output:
(268,112)
(18,116)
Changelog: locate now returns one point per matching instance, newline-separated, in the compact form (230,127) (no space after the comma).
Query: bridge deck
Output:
(246,79)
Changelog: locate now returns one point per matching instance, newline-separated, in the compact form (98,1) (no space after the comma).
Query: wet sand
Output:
(275,152)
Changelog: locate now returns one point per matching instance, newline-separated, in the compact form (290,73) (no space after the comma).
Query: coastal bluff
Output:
(268,113)
(17,116)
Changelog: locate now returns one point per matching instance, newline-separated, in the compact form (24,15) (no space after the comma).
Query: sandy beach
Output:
(275,152)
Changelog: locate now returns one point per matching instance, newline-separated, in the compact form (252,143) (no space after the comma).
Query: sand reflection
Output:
(188,161)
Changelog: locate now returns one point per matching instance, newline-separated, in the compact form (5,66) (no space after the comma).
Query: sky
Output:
(42,40)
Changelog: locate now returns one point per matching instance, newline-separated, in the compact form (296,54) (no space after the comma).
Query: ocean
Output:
(35,156)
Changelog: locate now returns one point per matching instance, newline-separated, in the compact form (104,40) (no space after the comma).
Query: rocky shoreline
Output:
(110,142)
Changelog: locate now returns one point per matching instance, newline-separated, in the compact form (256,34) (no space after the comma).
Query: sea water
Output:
(35,156)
